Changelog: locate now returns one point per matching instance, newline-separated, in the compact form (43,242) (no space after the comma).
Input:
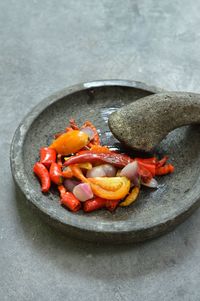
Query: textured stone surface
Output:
(156,212)
(143,124)
(45,46)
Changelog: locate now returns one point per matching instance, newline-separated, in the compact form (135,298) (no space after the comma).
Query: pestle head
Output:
(144,123)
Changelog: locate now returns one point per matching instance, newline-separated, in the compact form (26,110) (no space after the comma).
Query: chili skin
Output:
(99,203)
(145,174)
(55,173)
(67,172)
(84,154)
(118,160)
(162,162)
(47,156)
(73,124)
(111,205)
(94,204)
(42,173)
(150,167)
(152,160)
(68,200)
(164,170)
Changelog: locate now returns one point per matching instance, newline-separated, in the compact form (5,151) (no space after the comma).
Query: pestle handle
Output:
(144,123)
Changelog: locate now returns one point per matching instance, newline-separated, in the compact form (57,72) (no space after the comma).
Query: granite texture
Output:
(143,124)
(156,211)
(46,46)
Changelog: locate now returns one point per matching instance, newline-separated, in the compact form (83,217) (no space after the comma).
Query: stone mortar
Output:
(156,211)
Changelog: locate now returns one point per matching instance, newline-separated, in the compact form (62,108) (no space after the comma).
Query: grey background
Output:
(45,46)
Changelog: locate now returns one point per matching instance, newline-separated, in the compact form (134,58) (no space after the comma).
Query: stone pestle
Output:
(144,123)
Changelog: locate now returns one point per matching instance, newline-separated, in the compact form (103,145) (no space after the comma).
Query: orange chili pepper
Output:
(41,171)
(100,149)
(77,172)
(97,149)
(58,135)
(68,129)
(70,142)
(163,170)
(67,172)
(162,162)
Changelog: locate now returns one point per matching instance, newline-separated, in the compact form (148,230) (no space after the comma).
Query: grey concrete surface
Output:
(45,46)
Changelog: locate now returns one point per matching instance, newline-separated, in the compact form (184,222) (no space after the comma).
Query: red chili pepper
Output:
(47,156)
(90,151)
(83,151)
(94,204)
(151,160)
(118,160)
(99,203)
(41,171)
(163,170)
(73,124)
(149,167)
(145,174)
(62,189)
(68,200)
(59,160)
(67,172)
(162,162)
(111,205)
(55,173)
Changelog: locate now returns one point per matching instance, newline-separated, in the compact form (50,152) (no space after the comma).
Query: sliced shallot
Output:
(152,183)
(104,170)
(110,170)
(83,192)
(87,130)
(97,171)
(130,170)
